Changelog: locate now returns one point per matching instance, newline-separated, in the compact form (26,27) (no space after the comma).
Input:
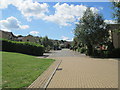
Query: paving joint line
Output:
(46,80)
(53,73)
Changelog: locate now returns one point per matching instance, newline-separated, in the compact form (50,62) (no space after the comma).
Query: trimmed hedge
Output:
(22,47)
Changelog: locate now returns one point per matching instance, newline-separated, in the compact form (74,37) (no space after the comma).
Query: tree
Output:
(116,14)
(91,30)
(47,43)
(56,44)
(76,43)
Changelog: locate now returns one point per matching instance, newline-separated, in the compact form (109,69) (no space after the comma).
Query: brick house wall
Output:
(30,38)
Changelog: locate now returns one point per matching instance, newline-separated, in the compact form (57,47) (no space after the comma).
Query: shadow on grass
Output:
(45,56)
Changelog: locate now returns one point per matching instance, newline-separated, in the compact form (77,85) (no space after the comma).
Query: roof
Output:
(114,26)
(8,33)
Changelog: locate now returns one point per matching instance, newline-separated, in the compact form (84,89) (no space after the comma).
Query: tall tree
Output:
(116,14)
(116,7)
(47,43)
(91,30)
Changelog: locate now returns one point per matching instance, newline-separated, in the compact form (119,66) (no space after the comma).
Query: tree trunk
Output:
(90,50)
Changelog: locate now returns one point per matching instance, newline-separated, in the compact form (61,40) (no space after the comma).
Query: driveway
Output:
(80,71)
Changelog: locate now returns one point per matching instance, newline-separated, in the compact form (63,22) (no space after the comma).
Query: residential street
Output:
(54,44)
(80,71)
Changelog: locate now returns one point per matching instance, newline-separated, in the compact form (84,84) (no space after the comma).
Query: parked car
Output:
(59,48)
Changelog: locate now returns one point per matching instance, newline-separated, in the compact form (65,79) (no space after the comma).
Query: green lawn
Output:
(20,70)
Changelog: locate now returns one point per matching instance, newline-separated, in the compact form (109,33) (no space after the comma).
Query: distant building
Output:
(11,36)
(115,36)
(29,38)
(7,35)
(20,38)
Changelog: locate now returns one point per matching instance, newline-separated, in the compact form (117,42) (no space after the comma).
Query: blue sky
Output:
(51,19)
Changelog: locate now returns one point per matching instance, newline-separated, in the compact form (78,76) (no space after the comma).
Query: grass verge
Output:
(20,70)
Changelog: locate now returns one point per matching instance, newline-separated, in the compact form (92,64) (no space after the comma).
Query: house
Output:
(115,35)
(11,36)
(20,37)
(29,38)
(7,35)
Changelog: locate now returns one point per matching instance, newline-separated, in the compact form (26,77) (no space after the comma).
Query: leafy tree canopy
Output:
(116,7)
(91,29)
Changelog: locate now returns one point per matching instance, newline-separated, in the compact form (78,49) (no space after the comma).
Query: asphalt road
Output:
(64,53)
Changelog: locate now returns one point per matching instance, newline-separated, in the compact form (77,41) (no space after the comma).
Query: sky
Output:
(56,20)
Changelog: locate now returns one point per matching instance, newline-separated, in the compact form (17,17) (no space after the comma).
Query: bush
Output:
(114,53)
(47,49)
(82,50)
(22,47)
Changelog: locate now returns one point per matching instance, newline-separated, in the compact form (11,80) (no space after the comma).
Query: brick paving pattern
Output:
(79,71)
(44,78)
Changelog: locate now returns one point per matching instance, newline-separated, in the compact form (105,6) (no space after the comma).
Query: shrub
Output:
(22,47)
(96,53)
(82,50)
(47,49)
(115,53)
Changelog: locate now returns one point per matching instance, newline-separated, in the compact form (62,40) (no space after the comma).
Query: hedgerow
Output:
(22,47)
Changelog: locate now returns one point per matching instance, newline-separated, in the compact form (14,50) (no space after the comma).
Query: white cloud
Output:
(24,26)
(110,21)
(66,14)
(70,39)
(35,33)
(4,3)
(12,23)
(28,8)
(33,10)
(6,30)
(64,38)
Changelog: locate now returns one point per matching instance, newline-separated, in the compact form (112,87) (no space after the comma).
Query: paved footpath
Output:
(80,71)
